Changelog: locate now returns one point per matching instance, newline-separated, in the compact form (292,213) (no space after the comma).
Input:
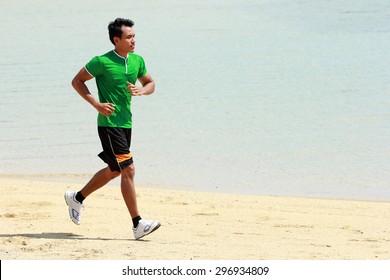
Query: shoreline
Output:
(81,179)
(195,226)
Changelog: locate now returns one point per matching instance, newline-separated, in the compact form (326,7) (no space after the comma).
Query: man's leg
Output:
(128,190)
(74,200)
(140,227)
(100,179)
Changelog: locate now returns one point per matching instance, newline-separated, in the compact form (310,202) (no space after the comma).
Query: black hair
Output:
(114,28)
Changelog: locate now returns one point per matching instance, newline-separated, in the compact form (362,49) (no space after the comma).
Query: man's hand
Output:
(106,109)
(134,90)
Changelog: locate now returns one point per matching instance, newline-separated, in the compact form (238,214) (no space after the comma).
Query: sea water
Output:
(252,96)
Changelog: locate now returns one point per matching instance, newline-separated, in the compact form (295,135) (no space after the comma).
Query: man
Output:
(116,73)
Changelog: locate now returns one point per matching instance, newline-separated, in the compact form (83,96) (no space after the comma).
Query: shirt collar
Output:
(120,55)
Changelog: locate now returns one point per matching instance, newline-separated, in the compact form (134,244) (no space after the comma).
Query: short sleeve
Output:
(142,68)
(94,66)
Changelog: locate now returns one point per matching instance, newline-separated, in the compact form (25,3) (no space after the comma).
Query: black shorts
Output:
(116,147)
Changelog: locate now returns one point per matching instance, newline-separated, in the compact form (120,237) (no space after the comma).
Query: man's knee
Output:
(114,174)
(128,171)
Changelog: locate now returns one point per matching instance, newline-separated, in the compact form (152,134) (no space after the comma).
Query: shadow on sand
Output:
(63,235)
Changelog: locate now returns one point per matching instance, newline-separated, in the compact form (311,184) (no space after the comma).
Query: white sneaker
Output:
(144,228)
(75,207)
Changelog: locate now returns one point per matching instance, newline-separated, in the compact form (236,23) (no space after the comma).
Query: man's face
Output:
(127,42)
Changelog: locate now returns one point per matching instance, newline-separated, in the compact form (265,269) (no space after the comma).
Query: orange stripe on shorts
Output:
(123,157)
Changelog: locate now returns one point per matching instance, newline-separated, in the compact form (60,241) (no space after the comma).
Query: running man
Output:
(116,74)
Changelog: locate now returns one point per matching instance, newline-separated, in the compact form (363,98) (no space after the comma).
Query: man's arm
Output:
(78,84)
(147,88)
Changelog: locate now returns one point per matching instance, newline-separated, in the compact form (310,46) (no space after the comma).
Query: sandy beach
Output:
(34,224)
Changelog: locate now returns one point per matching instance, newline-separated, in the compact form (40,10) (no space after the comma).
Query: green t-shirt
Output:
(112,72)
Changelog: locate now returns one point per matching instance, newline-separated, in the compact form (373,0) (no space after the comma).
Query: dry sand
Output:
(34,224)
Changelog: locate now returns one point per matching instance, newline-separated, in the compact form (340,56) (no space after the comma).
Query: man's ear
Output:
(116,40)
